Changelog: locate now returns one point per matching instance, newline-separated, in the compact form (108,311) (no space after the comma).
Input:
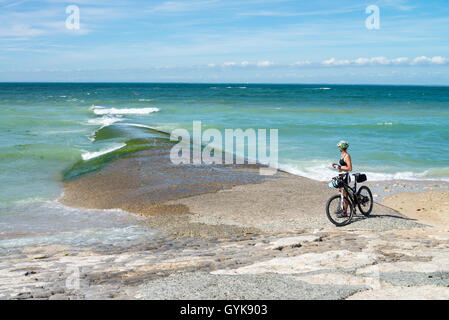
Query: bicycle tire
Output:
(371,201)
(350,213)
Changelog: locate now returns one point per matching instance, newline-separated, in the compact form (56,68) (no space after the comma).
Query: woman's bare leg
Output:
(345,204)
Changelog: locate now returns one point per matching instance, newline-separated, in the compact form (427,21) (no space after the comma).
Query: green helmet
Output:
(343,145)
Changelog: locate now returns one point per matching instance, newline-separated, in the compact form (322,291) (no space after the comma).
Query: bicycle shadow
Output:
(394,215)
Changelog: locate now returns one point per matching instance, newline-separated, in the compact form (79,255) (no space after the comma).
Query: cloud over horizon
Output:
(226,39)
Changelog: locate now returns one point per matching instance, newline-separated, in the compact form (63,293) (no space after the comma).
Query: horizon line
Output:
(205,83)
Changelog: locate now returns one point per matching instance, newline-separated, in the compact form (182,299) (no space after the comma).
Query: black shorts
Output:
(346,177)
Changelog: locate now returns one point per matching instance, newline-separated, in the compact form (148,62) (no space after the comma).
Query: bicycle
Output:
(361,198)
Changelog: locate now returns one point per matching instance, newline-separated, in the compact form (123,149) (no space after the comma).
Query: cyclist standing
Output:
(345,165)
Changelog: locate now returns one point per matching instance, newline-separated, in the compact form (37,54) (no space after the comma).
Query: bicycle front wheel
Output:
(335,211)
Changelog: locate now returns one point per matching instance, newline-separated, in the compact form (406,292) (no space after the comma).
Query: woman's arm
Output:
(348,166)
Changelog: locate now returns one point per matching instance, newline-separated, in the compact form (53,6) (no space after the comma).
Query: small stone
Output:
(58,297)
(57,291)
(41,295)
(292,242)
(38,257)
(24,295)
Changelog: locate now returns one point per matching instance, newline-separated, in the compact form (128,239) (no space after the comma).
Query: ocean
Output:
(56,131)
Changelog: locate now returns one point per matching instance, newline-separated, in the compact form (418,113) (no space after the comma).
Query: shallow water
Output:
(49,222)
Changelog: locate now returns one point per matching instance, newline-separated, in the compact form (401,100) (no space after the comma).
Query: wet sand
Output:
(209,200)
(144,183)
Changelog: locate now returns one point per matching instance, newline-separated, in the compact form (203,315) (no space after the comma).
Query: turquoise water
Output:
(393,131)
(52,132)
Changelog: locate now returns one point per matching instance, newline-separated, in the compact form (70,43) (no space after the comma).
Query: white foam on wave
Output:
(146,100)
(91,155)
(324,172)
(104,121)
(138,125)
(321,88)
(98,110)
(319,172)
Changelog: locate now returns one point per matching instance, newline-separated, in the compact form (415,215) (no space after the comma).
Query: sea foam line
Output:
(91,155)
(111,111)
(146,127)
(104,121)
(323,172)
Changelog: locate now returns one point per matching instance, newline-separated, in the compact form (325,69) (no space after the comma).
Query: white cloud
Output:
(245,63)
(428,60)
(402,60)
(375,60)
(229,64)
(334,62)
(422,59)
(362,61)
(383,61)
(439,60)
(302,63)
(380,60)
(264,63)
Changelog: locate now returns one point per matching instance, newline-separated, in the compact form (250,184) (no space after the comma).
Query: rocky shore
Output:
(323,264)
(227,233)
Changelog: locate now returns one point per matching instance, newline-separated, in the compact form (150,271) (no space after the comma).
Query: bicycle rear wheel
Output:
(365,200)
(334,211)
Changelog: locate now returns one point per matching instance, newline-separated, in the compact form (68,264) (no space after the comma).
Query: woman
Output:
(345,165)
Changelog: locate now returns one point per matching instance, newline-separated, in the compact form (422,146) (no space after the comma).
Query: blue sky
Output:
(277,41)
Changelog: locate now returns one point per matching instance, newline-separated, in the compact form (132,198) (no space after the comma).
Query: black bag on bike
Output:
(361,178)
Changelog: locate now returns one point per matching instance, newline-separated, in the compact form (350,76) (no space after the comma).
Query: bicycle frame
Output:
(351,192)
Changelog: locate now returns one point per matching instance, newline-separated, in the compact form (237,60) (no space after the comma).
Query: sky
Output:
(244,41)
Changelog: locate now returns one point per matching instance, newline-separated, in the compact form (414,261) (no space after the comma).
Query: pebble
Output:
(58,297)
